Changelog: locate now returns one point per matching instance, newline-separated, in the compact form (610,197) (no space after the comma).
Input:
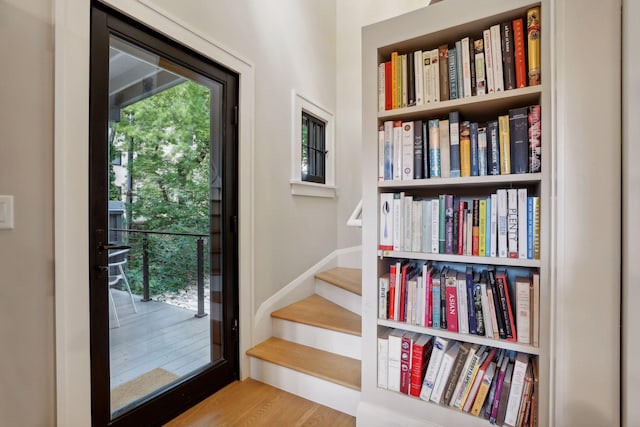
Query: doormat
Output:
(139,387)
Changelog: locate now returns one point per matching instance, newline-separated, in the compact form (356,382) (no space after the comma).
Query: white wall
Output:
(352,15)
(630,209)
(26,252)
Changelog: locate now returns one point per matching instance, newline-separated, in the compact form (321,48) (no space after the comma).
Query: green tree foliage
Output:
(169,136)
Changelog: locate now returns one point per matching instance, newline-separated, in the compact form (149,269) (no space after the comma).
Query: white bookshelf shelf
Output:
(511,180)
(463,259)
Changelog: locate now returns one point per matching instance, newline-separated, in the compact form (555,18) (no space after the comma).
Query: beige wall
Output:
(26,252)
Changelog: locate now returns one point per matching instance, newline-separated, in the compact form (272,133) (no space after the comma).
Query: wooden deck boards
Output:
(159,335)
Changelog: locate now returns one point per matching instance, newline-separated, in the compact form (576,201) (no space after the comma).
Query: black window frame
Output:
(313,149)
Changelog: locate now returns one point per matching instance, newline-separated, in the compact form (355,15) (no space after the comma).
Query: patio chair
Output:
(117,259)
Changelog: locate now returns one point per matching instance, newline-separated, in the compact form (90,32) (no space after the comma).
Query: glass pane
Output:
(165,204)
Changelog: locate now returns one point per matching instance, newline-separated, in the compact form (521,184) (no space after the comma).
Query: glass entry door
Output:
(163,207)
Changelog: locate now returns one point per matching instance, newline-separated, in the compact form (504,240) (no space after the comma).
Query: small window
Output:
(313,149)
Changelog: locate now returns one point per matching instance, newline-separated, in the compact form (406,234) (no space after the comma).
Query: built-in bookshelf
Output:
(461,270)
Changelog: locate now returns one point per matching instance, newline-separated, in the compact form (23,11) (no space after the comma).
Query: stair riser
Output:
(323,339)
(345,299)
(324,392)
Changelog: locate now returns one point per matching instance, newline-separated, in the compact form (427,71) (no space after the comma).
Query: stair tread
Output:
(318,363)
(320,312)
(349,279)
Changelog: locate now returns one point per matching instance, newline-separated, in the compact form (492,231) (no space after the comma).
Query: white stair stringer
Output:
(342,297)
(327,393)
(323,339)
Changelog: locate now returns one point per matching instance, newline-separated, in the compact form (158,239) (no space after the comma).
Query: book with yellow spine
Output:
(533,44)
(394,79)
(505,144)
(465,149)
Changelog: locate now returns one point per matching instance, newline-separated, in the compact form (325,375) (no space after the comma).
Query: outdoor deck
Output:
(159,335)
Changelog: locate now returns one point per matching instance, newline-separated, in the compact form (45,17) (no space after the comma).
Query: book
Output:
(383,357)
(530,227)
(393,275)
(394,80)
(475,228)
(407,150)
(496,50)
(434,148)
(435,226)
(495,405)
(453,74)
(416,234)
(486,310)
(422,349)
(488,233)
(535,308)
(504,395)
(463,305)
(443,72)
(505,144)
(411,80)
(502,286)
(381,88)
(523,309)
(445,162)
(525,401)
(406,348)
(444,372)
(381,158)
(477,304)
(482,151)
(535,145)
(465,149)
(427,86)
(443,298)
(519,140)
(472,65)
(502,229)
(452,300)
(435,299)
(533,45)
(466,67)
(462,208)
(483,389)
(515,393)
(483,366)
(471,310)
(488,60)
(497,303)
(473,137)
(426,226)
(493,246)
(456,371)
(418,78)
(440,346)
(418,151)
(404,80)
(397,150)
(482,235)
(393,366)
(448,224)
(493,148)
(454,143)
(536,227)
(520,63)
(386,222)
(388,100)
(407,222)
(508,59)
(435,75)
(512,222)
(469,370)
(397,217)
(459,72)
(383,296)
(481,86)
(388,150)
(426,156)
(522,223)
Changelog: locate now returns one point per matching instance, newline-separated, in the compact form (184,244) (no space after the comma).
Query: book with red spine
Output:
(388,93)
(519,53)
(428,305)
(478,380)
(408,339)
(475,242)
(462,208)
(420,355)
(392,292)
(505,302)
(451,300)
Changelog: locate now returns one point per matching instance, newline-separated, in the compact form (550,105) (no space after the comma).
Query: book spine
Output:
(497,303)
(505,144)
(416,234)
(503,248)
(475,236)
(482,231)
(472,67)
(496,50)
(419,358)
(407,221)
(536,227)
(488,233)
(397,222)
(411,81)
(477,304)
(386,222)
(426,77)
(466,67)
(435,76)
(533,42)
(512,222)
(517,384)
(405,80)
(483,390)
(475,161)
(459,72)
(443,72)
(394,80)
(417,150)
(493,148)
(426,160)
(448,241)
(508,66)
(481,82)
(462,208)
(407,150)
(535,146)
(444,373)
(465,149)
(442,224)
(381,158)
(482,151)
(488,60)
(383,295)
(486,314)
(530,227)
(405,362)
(417,70)
(498,392)
(471,310)
(445,150)
(522,223)
(381,88)
(505,305)
(519,140)
(383,361)
(434,148)
(494,226)
(454,143)
(523,310)
(397,150)
(452,303)
(453,74)
(395,350)
(435,226)
(388,150)
(435,300)
(388,87)
(426,226)
(518,53)
(443,299)
(439,348)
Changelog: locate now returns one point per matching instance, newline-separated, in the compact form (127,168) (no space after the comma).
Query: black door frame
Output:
(104,22)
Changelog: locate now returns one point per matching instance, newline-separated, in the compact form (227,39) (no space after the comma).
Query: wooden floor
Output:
(159,335)
(252,403)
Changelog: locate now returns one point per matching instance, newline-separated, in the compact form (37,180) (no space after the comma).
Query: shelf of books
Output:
(460,259)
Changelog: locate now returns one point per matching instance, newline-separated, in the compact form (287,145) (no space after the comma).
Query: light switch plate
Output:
(6,212)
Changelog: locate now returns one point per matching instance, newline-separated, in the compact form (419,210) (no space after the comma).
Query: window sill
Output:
(300,188)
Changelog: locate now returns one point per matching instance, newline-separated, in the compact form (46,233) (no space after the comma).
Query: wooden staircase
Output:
(316,348)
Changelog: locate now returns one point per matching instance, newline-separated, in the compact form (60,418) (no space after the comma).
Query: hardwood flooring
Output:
(252,403)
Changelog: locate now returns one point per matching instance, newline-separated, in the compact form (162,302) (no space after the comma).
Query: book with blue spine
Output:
(471,311)
(454,144)
(435,300)
(482,151)
(434,148)
(519,139)
(473,135)
(453,74)
(493,148)
(530,227)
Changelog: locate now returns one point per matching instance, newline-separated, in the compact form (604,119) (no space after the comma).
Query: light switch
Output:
(6,212)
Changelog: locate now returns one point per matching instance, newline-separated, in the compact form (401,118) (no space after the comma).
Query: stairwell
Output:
(315,350)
